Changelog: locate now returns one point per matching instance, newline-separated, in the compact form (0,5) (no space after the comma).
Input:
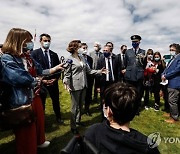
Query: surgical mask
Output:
(135,44)
(107,54)
(29,46)
(156,59)
(96,48)
(173,53)
(85,52)
(150,57)
(80,50)
(46,45)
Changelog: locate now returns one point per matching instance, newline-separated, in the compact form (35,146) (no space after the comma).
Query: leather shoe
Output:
(60,121)
(44,145)
(80,124)
(75,131)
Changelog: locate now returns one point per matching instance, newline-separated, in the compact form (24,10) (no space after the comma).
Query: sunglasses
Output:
(46,40)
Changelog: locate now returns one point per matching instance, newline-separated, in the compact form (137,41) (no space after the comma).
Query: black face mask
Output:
(123,51)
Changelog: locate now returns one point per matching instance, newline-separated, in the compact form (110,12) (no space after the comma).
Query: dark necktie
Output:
(97,54)
(135,51)
(123,57)
(46,59)
(110,70)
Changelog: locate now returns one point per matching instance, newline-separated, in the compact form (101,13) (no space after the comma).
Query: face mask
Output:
(123,51)
(150,57)
(156,59)
(46,45)
(96,48)
(85,52)
(173,53)
(80,50)
(29,45)
(135,45)
(107,54)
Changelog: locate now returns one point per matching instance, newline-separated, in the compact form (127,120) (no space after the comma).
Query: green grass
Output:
(147,123)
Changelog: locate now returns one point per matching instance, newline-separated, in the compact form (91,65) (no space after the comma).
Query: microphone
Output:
(67,63)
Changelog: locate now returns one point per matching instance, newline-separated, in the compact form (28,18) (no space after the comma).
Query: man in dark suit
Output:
(89,62)
(121,58)
(172,74)
(110,62)
(134,72)
(48,59)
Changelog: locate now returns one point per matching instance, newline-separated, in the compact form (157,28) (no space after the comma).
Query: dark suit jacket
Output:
(115,64)
(134,65)
(38,56)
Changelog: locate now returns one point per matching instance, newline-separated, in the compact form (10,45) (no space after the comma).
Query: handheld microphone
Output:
(67,63)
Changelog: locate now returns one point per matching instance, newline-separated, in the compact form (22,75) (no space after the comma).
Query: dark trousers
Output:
(54,95)
(88,98)
(96,85)
(165,96)
(147,90)
(139,86)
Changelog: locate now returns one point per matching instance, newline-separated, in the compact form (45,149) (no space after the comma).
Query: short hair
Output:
(84,44)
(110,43)
(44,34)
(14,41)
(176,46)
(123,46)
(73,46)
(122,98)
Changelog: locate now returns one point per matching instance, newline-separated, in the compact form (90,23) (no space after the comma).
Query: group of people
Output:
(113,76)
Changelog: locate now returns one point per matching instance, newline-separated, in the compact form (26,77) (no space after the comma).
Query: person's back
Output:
(114,135)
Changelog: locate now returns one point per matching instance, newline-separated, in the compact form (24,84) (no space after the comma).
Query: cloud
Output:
(90,21)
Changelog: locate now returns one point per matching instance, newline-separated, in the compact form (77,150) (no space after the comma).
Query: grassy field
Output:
(148,122)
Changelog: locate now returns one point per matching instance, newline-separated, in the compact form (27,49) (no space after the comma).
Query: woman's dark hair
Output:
(73,46)
(122,98)
(157,53)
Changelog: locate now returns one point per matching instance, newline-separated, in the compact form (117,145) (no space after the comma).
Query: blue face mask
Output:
(135,44)
(156,59)
(107,54)
(29,46)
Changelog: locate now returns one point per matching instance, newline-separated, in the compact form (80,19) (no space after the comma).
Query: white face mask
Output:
(172,53)
(85,52)
(46,45)
(80,50)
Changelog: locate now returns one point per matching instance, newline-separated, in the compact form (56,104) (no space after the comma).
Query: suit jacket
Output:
(172,73)
(75,74)
(134,65)
(115,64)
(95,58)
(38,56)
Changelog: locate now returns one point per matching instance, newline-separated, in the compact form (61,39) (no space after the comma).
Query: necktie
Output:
(135,51)
(110,70)
(97,54)
(123,57)
(46,59)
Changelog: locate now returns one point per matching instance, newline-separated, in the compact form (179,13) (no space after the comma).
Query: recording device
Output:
(67,63)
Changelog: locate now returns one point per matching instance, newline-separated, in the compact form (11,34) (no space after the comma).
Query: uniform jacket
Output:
(134,65)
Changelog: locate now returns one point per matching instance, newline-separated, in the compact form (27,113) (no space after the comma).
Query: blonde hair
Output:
(15,40)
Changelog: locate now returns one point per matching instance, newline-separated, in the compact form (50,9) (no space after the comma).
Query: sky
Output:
(156,21)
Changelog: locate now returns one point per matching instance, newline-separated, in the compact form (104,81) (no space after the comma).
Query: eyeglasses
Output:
(46,40)
(105,50)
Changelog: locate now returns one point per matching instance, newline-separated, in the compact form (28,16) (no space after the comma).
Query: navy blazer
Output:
(38,56)
(134,65)
(172,73)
